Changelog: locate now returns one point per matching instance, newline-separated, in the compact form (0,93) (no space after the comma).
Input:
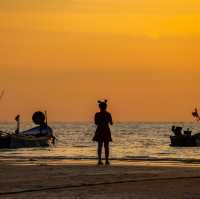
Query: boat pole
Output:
(17,119)
(45,112)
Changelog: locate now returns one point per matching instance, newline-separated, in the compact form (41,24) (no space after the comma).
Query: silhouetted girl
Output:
(103,134)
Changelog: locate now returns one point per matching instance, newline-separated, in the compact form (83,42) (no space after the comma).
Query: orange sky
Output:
(142,55)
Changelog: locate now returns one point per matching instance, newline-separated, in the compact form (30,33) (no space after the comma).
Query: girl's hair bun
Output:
(105,101)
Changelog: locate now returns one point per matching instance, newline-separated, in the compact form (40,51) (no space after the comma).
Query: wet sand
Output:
(79,179)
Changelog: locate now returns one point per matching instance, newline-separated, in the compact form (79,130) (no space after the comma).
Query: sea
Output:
(131,141)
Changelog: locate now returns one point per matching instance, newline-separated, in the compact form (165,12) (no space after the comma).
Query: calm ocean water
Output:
(130,141)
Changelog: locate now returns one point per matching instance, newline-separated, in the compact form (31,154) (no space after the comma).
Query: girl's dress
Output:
(103,133)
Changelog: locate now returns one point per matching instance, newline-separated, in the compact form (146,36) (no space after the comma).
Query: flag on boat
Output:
(195,114)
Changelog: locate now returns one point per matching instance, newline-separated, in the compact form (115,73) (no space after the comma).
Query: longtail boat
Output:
(39,136)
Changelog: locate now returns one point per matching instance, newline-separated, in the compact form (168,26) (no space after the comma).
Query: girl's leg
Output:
(106,146)
(99,151)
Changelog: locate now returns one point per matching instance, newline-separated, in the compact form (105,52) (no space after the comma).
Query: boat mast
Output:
(45,112)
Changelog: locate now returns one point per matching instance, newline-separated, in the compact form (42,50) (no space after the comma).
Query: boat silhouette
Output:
(39,136)
(185,138)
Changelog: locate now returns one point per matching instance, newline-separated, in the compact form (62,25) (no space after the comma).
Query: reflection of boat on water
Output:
(40,136)
(185,139)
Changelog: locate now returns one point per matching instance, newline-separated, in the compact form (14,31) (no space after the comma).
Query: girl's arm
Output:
(111,121)
(96,119)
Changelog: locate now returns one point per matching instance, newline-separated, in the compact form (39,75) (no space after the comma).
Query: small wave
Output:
(128,158)
(147,158)
(81,146)
(136,157)
(164,153)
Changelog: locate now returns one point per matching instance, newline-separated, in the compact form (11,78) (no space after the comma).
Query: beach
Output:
(78,179)
(143,165)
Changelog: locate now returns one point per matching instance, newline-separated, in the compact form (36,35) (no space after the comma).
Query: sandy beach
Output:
(78,179)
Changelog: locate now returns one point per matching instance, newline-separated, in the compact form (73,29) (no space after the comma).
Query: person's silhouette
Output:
(103,133)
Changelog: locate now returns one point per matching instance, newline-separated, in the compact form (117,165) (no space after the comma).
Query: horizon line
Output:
(122,121)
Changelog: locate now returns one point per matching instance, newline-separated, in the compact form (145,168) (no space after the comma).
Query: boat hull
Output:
(183,141)
(40,136)
(186,141)
(29,141)
(5,141)
(18,141)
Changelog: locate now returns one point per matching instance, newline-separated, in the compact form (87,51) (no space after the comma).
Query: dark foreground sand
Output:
(35,178)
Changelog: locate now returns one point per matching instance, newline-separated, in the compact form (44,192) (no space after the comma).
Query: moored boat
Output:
(39,136)
(185,139)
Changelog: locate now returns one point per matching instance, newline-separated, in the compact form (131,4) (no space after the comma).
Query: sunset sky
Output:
(64,55)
